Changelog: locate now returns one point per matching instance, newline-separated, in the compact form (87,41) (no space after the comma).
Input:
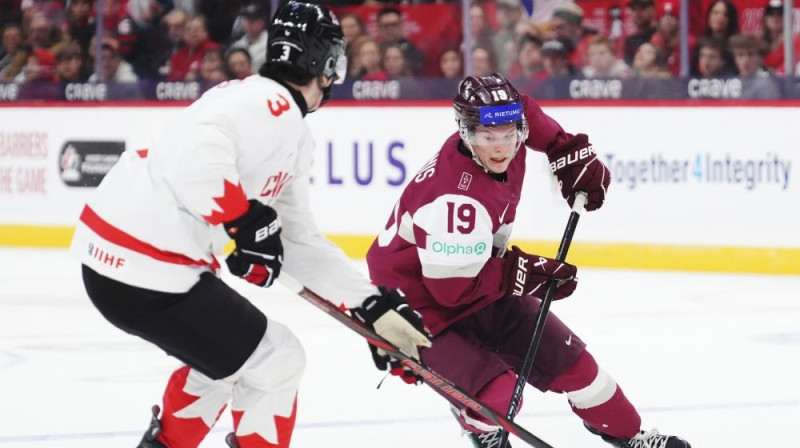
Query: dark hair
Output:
(733,18)
(714,44)
(388,10)
(234,50)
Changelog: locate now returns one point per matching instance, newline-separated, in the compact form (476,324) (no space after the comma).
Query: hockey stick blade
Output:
(440,384)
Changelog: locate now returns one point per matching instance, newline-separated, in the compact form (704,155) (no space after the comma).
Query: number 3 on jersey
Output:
(276,108)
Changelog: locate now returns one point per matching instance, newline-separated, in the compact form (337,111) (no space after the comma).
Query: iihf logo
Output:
(466,179)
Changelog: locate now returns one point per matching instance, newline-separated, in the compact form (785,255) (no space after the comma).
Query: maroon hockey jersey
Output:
(443,243)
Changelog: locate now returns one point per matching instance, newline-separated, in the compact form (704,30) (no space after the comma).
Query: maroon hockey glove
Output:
(577,168)
(390,316)
(526,275)
(258,256)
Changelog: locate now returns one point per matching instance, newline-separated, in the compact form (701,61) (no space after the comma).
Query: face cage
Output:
(466,133)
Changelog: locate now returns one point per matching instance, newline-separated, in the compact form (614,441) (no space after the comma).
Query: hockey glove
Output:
(577,168)
(258,256)
(527,274)
(390,316)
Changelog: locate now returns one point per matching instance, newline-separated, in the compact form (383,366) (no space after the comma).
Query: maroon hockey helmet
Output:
(488,101)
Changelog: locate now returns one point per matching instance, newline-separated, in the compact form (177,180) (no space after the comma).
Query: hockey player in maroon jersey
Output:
(445,245)
(233,165)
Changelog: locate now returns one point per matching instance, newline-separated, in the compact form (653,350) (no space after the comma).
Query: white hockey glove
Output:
(391,317)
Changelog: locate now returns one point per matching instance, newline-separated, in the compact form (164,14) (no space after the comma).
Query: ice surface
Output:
(714,358)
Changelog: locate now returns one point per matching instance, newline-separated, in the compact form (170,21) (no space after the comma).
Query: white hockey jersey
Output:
(156,219)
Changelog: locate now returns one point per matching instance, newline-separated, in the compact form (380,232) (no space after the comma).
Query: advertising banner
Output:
(682,177)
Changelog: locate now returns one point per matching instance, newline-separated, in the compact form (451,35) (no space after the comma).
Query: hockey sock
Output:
(597,399)
(497,396)
(186,418)
(284,426)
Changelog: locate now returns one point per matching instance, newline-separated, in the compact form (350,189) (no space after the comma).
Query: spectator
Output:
(771,34)
(482,62)
(711,62)
(479,27)
(69,64)
(556,61)
(141,41)
(722,22)
(530,62)
(508,13)
(391,30)
(174,22)
(239,64)
(543,10)
(567,26)
(395,63)
(352,27)
(80,23)
(195,44)
(648,63)
(42,33)
(113,69)
(254,25)
(451,65)
(39,67)
(368,60)
(643,14)
(211,68)
(748,54)
(602,61)
(12,54)
(53,9)
(667,38)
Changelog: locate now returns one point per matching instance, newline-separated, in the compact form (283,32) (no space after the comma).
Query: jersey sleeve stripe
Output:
(108,232)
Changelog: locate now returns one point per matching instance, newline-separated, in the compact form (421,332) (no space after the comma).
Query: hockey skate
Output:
(149,439)
(645,439)
(485,440)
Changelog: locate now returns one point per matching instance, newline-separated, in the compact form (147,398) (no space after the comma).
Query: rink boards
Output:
(693,188)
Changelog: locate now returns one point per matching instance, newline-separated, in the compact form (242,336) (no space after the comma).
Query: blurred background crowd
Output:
(125,41)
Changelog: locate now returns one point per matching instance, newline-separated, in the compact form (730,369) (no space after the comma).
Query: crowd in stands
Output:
(215,40)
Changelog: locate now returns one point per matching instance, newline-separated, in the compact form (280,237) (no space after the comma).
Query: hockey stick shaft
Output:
(541,318)
(436,381)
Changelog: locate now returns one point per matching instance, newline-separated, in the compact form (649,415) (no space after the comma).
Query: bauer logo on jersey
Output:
(503,114)
(86,163)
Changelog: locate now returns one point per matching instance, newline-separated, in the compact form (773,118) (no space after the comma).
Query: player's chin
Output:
(499,165)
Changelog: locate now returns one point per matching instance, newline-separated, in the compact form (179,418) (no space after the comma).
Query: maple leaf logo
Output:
(232,204)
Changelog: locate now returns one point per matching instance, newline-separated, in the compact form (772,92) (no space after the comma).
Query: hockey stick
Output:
(439,383)
(541,318)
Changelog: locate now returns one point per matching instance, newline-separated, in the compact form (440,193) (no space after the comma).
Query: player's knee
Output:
(585,383)
(277,363)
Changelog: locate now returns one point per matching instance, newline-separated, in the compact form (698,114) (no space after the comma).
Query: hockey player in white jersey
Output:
(233,165)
